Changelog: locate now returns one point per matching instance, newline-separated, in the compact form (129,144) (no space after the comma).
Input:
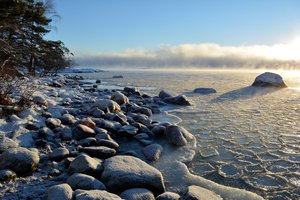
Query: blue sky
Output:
(108,26)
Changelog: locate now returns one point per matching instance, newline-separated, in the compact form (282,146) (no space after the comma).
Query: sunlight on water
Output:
(246,137)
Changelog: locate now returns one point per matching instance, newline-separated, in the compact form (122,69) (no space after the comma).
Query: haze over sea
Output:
(246,137)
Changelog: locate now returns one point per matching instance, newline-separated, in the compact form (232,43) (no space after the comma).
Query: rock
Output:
(165,94)
(152,152)
(81,132)
(65,133)
(59,153)
(85,164)
(158,130)
(54,172)
(131,89)
(96,112)
(178,100)
(127,131)
(40,100)
(269,79)
(7,175)
(53,123)
(120,98)
(198,193)
(204,90)
(111,126)
(85,182)
(60,192)
(140,109)
(31,127)
(117,76)
(177,135)
(68,119)
(99,151)
(88,122)
(56,84)
(126,172)
(46,133)
(7,143)
(168,196)
(90,141)
(107,105)
(137,194)
(108,143)
(98,81)
(119,117)
(20,160)
(95,195)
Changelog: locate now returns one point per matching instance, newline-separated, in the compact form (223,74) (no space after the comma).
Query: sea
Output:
(247,137)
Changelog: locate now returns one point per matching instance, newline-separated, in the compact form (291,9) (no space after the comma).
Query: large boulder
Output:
(120,98)
(269,79)
(7,143)
(137,194)
(126,172)
(20,160)
(178,100)
(198,193)
(178,135)
(107,105)
(85,182)
(60,192)
(95,195)
(204,90)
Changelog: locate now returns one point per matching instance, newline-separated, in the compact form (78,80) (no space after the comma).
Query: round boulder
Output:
(120,98)
(19,160)
(137,194)
(95,195)
(126,172)
(269,79)
(107,105)
(81,132)
(60,192)
(85,182)
(153,151)
(168,196)
(198,193)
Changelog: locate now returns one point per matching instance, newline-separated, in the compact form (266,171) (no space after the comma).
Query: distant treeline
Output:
(23,25)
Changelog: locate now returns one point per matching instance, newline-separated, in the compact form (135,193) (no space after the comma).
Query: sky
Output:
(178,33)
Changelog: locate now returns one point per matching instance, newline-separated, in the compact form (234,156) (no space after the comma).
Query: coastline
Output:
(70,98)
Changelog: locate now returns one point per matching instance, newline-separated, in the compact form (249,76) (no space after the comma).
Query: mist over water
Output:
(246,137)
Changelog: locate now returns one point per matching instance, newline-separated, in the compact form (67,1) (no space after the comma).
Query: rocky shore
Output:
(87,143)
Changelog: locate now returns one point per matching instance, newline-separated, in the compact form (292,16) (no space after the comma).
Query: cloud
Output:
(200,55)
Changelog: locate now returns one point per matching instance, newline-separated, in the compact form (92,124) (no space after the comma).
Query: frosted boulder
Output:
(178,135)
(269,79)
(20,160)
(126,172)
(137,194)
(60,192)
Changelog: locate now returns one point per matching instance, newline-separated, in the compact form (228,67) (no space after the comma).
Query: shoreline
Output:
(76,101)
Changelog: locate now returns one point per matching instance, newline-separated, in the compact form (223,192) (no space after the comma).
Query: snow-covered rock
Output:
(126,172)
(269,79)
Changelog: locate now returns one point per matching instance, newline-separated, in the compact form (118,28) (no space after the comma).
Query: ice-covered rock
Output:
(120,98)
(269,79)
(152,152)
(85,182)
(137,194)
(178,135)
(198,193)
(95,195)
(60,192)
(20,160)
(125,172)
(168,196)
(204,90)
